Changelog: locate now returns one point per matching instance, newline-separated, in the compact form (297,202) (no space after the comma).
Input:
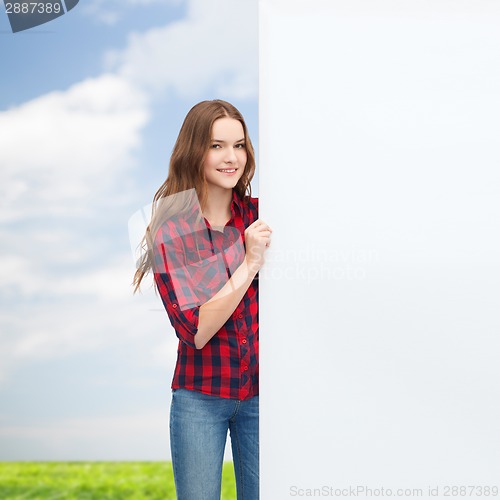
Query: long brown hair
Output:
(186,171)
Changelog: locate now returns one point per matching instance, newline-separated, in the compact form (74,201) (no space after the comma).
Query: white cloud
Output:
(57,329)
(67,161)
(61,149)
(214,48)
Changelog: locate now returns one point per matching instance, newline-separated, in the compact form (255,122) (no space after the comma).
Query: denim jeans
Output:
(198,432)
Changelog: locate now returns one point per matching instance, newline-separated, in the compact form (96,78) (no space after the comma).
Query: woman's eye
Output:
(240,146)
(216,146)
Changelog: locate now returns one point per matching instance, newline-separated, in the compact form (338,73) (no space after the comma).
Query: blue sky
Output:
(90,106)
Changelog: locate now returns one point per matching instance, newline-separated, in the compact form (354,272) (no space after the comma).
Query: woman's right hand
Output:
(257,240)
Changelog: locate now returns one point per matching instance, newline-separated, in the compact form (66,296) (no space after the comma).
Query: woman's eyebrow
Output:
(218,140)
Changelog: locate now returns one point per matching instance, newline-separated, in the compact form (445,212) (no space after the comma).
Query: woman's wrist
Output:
(253,267)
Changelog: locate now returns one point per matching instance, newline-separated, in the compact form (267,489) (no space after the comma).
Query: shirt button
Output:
(245,368)
(244,341)
(240,316)
(174,305)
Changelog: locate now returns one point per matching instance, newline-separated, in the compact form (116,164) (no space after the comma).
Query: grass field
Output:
(96,480)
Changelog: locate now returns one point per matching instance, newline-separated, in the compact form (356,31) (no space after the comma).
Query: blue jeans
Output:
(198,432)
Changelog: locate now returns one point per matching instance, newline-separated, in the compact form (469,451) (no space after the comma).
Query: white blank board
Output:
(379,299)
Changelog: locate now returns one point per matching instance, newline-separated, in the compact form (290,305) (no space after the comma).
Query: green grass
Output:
(96,481)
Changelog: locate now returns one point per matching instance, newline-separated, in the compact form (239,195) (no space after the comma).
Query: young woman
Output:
(205,245)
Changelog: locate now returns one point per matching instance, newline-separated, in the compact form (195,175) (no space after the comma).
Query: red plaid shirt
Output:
(192,263)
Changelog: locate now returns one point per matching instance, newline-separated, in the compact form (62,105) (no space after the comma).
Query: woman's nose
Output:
(230,156)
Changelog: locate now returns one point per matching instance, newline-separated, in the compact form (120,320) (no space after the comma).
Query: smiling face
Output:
(227,156)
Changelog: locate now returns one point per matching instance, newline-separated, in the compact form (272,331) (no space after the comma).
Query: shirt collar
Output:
(236,205)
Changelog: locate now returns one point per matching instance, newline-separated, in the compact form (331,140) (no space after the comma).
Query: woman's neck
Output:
(218,207)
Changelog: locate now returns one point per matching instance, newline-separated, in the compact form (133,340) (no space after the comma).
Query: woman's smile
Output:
(227,171)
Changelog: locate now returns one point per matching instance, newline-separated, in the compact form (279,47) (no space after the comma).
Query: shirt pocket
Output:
(208,276)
